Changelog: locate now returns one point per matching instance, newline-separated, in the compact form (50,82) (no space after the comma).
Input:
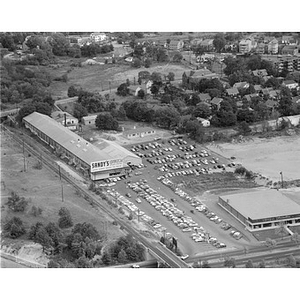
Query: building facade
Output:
(105,160)
(261,209)
(139,132)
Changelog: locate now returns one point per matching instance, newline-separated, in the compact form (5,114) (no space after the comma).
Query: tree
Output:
(171,76)
(167,117)
(16,203)
(123,90)
(285,106)
(136,63)
(60,44)
(122,257)
(291,261)
(87,230)
(141,94)
(244,128)
(229,262)
(106,121)
(270,243)
(262,264)
(14,228)
(177,57)
(281,230)
(295,238)
(194,99)
(73,91)
(65,220)
(245,115)
(249,264)
(219,42)
(195,130)
(83,262)
(79,111)
(147,62)
(202,110)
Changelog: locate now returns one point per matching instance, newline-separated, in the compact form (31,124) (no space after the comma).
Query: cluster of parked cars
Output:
(195,161)
(178,217)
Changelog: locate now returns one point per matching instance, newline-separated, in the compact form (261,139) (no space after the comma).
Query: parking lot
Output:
(199,225)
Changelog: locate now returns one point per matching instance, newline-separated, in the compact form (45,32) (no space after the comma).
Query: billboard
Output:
(103,165)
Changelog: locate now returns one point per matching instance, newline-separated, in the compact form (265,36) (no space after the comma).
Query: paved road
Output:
(6,263)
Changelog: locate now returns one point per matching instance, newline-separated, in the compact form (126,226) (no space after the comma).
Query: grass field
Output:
(42,188)
(216,182)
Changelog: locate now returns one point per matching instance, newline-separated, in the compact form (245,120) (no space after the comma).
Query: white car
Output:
(138,200)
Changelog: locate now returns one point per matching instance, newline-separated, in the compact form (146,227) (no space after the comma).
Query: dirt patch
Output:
(268,157)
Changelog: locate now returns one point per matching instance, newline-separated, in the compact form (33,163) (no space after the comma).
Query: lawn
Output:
(42,188)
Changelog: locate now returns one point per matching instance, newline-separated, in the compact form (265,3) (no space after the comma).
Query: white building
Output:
(204,122)
(103,160)
(65,119)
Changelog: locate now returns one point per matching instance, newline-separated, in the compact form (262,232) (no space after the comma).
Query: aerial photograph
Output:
(150,149)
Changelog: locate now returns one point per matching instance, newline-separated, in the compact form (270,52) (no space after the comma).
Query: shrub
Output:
(36,211)
(65,219)
(14,228)
(16,203)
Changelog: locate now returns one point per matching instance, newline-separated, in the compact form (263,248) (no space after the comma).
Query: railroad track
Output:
(171,259)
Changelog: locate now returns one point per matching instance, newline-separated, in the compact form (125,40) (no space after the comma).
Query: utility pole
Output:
(24,156)
(62,187)
(281,179)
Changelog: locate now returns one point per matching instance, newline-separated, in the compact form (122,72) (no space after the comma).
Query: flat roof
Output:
(74,143)
(262,204)
(139,130)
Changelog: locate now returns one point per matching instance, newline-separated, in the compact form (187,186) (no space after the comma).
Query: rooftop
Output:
(139,130)
(72,142)
(262,204)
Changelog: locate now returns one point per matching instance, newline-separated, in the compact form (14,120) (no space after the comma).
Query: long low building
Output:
(262,209)
(107,160)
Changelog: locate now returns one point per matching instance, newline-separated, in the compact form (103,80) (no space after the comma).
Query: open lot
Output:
(268,157)
(43,189)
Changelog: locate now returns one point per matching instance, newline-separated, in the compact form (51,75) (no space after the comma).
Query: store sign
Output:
(106,165)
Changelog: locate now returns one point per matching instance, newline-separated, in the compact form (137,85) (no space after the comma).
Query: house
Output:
(65,119)
(208,44)
(204,97)
(260,49)
(291,84)
(139,132)
(249,97)
(271,104)
(241,85)
(148,86)
(273,46)
(290,50)
(270,92)
(288,40)
(246,45)
(257,88)
(196,42)
(204,122)
(232,92)
(175,45)
(260,73)
(89,120)
(97,37)
(216,102)
(296,100)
